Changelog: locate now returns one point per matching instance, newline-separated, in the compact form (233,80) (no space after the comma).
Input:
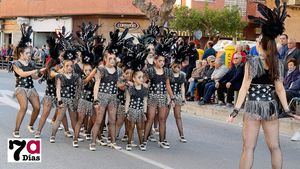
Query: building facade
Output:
(292,23)
(48,16)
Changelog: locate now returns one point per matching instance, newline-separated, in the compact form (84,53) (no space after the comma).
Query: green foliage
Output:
(224,22)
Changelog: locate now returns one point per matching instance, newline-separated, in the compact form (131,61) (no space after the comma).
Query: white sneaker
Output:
(68,134)
(167,143)
(75,144)
(37,134)
(93,147)
(132,144)
(80,139)
(125,138)
(88,137)
(52,139)
(296,136)
(152,138)
(142,147)
(182,139)
(163,145)
(60,127)
(101,142)
(128,147)
(16,134)
(114,146)
(30,129)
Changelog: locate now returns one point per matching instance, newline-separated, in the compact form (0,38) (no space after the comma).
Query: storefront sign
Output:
(127,24)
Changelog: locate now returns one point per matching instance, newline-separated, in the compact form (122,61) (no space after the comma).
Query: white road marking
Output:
(6,99)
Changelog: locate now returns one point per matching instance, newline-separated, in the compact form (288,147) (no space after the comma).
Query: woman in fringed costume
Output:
(49,100)
(25,71)
(67,85)
(136,95)
(105,90)
(88,45)
(263,75)
(177,81)
(159,88)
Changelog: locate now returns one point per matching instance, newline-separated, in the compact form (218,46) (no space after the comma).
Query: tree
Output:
(159,16)
(234,24)
(212,22)
(185,19)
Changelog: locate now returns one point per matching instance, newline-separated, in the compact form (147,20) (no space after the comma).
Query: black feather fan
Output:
(272,21)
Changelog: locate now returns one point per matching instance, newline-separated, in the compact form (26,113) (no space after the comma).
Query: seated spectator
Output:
(210,50)
(231,82)
(206,77)
(196,74)
(209,89)
(292,73)
(292,52)
(239,50)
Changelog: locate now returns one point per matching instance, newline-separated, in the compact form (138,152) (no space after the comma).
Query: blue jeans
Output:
(192,87)
(209,91)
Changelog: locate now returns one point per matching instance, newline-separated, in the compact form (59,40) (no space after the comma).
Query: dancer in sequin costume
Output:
(25,71)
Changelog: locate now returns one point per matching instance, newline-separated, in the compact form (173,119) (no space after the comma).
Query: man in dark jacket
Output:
(292,52)
(232,81)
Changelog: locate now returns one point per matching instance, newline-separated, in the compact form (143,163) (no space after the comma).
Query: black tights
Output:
(250,135)
(47,106)
(162,117)
(178,119)
(23,102)
(139,127)
(100,111)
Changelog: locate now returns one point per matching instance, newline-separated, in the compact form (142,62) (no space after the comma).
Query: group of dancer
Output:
(133,82)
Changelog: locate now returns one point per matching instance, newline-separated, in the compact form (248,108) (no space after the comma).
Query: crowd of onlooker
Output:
(39,55)
(211,81)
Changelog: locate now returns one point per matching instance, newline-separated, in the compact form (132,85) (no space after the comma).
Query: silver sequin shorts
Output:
(85,107)
(157,100)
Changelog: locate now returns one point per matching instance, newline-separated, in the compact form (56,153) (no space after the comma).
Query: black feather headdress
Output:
(54,48)
(166,42)
(89,44)
(150,34)
(135,57)
(117,41)
(25,39)
(272,20)
(67,44)
(179,53)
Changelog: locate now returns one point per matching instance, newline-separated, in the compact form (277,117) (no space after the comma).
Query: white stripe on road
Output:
(10,102)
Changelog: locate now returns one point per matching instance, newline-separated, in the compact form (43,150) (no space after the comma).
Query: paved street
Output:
(211,144)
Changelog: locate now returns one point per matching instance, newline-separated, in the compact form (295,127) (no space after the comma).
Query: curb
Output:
(221,113)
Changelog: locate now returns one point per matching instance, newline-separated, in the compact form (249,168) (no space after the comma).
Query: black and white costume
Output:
(85,103)
(121,99)
(69,89)
(260,104)
(176,84)
(157,95)
(25,84)
(136,112)
(50,92)
(108,86)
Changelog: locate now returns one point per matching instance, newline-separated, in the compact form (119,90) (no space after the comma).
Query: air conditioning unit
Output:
(293,2)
